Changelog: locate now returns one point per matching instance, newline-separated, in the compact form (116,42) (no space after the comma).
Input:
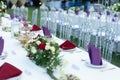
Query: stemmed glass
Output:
(3,53)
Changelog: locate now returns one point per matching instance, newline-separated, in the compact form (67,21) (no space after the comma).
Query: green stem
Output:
(51,74)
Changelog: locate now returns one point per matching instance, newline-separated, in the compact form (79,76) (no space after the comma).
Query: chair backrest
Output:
(34,16)
(43,15)
(16,11)
(24,13)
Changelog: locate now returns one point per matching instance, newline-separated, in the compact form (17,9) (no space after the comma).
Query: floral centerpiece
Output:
(75,9)
(44,52)
(115,7)
(2,8)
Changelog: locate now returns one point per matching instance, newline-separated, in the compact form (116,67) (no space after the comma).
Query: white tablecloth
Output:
(74,60)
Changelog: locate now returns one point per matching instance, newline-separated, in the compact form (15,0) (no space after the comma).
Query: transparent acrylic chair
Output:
(59,21)
(66,27)
(34,16)
(24,13)
(116,21)
(51,18)
(73,28)
(85,31)
(43,15)
(108,43)
(63,23)
(16,11)
(54,22)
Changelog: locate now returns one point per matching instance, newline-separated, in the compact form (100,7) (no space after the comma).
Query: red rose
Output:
(41,46)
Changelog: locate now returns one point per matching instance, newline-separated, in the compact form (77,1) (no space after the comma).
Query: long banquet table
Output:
(74,63)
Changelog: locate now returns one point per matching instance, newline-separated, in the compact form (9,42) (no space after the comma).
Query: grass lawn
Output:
(30,9)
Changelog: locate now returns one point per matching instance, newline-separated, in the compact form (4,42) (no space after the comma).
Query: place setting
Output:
(9,72)
(95,60)
(68,46)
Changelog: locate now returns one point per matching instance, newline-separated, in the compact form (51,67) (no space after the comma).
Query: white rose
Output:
(118,4)
(33,50)
(38,42)
(112,8)
(47,44)
(31,40)
(52,49)
(53,41)
(47,47)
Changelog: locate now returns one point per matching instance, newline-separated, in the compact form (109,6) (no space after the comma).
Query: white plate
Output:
(87,63)
(15,78)
(69,50)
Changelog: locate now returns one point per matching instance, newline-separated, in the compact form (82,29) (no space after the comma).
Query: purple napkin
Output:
(46,32)
(87,12)
(90,48)
(1,45)
(115,15)
(99,15)
(26,25)
(96,57)
(108,13)
(16,16)
(23,19)
(113,20)
(77,12)
(11,16)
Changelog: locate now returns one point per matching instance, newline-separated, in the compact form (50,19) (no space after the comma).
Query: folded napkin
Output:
(67,45)
(35,28)
(25,25)
(0,37)
(16,16)
(11,16)
(46,32)
(8,71)
(23,19)
(1,45)
(90,48)
(96,56)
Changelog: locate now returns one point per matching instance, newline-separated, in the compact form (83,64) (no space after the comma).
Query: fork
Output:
(112,68)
